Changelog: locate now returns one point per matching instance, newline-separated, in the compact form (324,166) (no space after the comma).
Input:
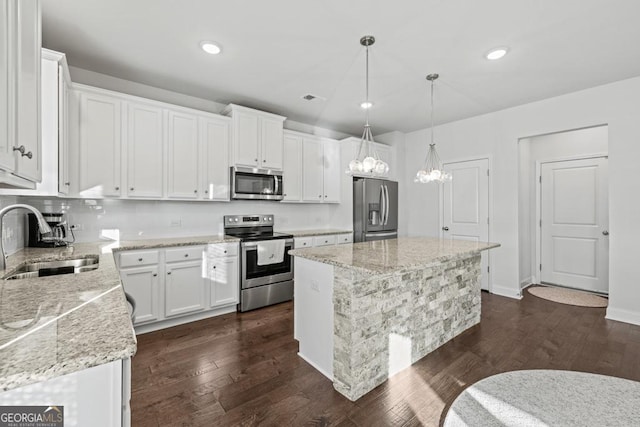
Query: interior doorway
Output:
(465,206)
(563,209)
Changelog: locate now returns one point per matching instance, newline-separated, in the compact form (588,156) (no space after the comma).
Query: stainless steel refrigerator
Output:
(375,209)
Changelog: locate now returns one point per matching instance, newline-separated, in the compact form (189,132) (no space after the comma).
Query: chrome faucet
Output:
(42,224)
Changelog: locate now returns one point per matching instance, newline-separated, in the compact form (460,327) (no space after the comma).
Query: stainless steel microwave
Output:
(255,184)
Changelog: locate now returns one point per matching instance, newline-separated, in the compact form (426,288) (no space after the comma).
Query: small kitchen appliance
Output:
(59,231)
(264,279)
(256,184)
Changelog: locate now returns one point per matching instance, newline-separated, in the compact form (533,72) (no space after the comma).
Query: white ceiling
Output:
(278,50)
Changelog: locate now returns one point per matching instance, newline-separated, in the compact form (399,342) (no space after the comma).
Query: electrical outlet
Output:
(76,227)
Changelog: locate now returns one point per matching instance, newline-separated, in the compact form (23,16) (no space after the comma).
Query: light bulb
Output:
(368,164)
(355,166)
(380,167)
(435,174)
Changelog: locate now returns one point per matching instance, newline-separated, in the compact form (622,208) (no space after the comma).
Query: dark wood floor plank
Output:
(243,369)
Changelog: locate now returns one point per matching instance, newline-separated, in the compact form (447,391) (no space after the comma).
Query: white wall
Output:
(557,146)
(617,105)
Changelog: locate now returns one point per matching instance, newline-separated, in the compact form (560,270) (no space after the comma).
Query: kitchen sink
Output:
(54,268)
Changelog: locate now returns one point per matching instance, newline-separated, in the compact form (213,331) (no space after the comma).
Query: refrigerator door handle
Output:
(386,204)
(383,206)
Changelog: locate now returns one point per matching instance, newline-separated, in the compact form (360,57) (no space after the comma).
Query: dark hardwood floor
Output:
(242,369)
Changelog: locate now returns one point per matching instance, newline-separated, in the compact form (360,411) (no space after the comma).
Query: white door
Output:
(292,172)
(312,164)
(332,173)
(215,171)
(465,209)
(145,137)
(225,282)
(184,288)
(142,284)
(271,143)
(100,127)
(183,156)
(574,226)
(245,138)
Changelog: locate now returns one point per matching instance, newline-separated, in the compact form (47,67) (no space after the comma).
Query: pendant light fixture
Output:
(371,163)
(432,170)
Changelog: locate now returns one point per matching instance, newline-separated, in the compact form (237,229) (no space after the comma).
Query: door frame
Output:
(489,158)
(538,208)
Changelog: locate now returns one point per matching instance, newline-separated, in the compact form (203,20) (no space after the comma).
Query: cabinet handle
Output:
(325,196)
(206,191)
(255,160)
(131,189)
(117,188)
(168,272)
(186,255)
(264,161)
(195,191)
(21,149)
(67,184)
(140,259)
(214,267)
(285,194)
(225,253)
(154,274)
(29,155)
(320,196)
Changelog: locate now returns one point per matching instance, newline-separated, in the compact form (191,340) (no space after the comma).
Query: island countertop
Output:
(56,325)
(387,256)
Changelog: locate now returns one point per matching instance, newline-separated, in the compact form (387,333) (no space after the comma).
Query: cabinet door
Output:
(225,283)
(182,156)
(63,133)
(246,137)
(312,165)
(214,136)
(7,159)
(144,151)
(292,168)
(100,138)
(332,173)
(184,288)
(271,143)
(28,89)
(142,284)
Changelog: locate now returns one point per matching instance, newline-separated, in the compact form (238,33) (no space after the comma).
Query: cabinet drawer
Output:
(223,249)
(137,258)
(344,238)
(324,240)
(185,253)
(303,242)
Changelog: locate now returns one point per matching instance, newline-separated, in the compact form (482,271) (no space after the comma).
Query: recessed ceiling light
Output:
(496,53)
(366,105)
(211,47)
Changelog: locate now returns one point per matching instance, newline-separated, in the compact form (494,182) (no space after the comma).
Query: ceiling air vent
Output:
(311,97)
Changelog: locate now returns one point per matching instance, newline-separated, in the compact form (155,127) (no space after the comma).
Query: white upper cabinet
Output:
(144,150)
(312,170)
(166,151)
(292,167)
(20,143)
(183,156)
(256,137)
(99,145)
(214,142)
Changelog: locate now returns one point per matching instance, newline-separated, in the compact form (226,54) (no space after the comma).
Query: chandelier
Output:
(432,170)
(371,163)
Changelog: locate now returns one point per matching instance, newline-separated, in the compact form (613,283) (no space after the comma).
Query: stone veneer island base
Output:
(365,311)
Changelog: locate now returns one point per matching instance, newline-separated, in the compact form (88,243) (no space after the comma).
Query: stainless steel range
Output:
(266,268)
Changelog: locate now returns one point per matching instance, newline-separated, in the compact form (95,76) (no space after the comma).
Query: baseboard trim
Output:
(526,282)
(505,291)
(155,326)
(326,374)
(621,315)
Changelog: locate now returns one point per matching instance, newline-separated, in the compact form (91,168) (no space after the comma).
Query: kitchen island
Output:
(367,310)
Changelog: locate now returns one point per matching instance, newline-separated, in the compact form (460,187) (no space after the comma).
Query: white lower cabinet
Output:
(180,284)
(323,240)
(143,285)
(97,396)
(184,288)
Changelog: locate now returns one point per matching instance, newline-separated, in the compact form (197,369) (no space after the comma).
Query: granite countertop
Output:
(320,232)
(56,325)
(388,256)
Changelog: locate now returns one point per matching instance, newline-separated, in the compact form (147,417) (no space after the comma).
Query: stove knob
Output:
(270,219)
(264,219)
(236,220)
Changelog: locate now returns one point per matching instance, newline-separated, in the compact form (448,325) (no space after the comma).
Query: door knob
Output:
(605,233)
(445,228)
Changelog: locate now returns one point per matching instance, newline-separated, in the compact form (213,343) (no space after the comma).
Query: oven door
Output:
(257,275)
(260,184)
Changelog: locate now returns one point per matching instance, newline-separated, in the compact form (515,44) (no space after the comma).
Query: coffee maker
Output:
(58,231)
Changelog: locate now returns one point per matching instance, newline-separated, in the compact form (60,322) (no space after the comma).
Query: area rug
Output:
(547,398)
(568,296)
